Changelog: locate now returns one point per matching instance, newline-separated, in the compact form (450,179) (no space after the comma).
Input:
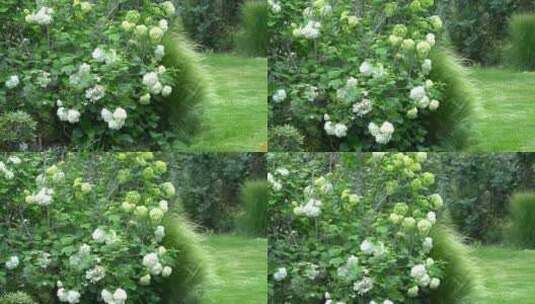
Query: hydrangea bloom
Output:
(12,263)
(279,96)
(281,274)
(12,82)
(42,17)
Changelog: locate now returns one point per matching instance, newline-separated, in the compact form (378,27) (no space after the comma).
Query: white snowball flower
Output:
(12,263)
(311,209)
(107,296)
(382,134)
(73,116)
(106,115)
(159,233)
(275,6)
(417,93)
(434,104)
(281,274)
(99,55)
(366,68)
(427,66)
(388,302)
(96,274)
(430,38)
(169,8)
(73,296)
(156,269)
(95,93)
(329,128)
(145,280)
(427,244)
(163,24)
(119,114)
(363,286)
(280,95)
(44,196)
(435,282)
(310,31)
(164,205)
(418,271)
(42,17)
(120,296)
(367,247)
(150,260)
(159,52)
(99,235)
(12,82)
(15,160)
(340,130)
(150,79)
(283,171)
(166,272)
(166,90)
(432,217)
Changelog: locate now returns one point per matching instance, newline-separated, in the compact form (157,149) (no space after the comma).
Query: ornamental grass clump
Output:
(253,40)
(254,196)
(460,271)
(95,228)
(372,243)
(522,224)
(100,72)
(522,35)
(359,76)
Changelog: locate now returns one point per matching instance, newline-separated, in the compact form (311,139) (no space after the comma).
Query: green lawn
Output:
(508,275)
(240,266)
(235,120)
(506,110)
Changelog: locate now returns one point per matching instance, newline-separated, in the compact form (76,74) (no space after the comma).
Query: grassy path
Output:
(508,275)
(236,118)
(506,112)
(240,270)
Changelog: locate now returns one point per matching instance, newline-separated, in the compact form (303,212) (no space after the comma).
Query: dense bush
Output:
(478,28)
(211,23)
(16,298)
(285,139)
(97,74)
(522,33)
(209,184)
(86,228)
(17,128)
(254,196)
(253,39)
(359,76)
(332,240)
(522,219)
(477,188)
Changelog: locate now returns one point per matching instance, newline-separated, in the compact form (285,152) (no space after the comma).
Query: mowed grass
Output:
(240,266)
(505,115)
(235,119)
(508,275)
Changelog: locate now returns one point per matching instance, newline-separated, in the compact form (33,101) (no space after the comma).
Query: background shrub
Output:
(522,33)
(254,196)
(16,128)
(285,138)
(452,124)
(16,298)
(253,39)
(477,188)
(478,28)
(211,22)
(208,185)
(522,219)
(461,284)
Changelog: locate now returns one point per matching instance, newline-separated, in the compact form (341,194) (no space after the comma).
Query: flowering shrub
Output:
(94,70)
(336,243)
(355,76)
(87,231)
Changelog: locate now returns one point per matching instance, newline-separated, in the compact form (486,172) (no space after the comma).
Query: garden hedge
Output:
(522,35)
(522,223)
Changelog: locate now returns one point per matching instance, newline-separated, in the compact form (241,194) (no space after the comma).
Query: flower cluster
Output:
(87,251)
(86,75)
(365,97)
(358,245)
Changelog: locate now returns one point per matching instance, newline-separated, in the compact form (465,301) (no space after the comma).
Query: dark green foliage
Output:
(522,219)
(476,188)
(254,197)
(478,28)
(182,107)
(191,269)
(209,183)
(16,298)
(450,125)
(522,32)
(460,279)
(285,138)
(16,127)
(211,22)
(253,40)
